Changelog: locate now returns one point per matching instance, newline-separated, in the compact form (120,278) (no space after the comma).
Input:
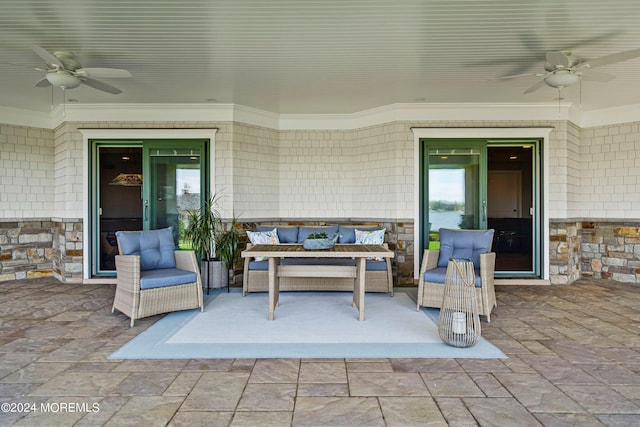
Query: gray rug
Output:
(306,325)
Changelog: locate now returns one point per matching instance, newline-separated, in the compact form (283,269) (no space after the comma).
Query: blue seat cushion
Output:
(285,234)
(438,274)
(155,247)
(150,279)
(318,261)
(348,232)
(371,265)
(262,265)
(467,244)
(376,265)
(303,232)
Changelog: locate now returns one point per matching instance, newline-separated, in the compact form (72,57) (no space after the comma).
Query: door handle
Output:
(484,210)
(146,210)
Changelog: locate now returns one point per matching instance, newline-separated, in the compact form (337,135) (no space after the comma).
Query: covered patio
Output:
(573,359)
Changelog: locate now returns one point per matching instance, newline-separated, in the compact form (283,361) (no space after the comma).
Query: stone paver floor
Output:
(574,359)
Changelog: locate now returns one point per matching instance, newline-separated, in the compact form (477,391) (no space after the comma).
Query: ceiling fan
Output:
(563,69)
(65,71)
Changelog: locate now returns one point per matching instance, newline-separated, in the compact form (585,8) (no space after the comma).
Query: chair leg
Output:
(132,321)
(113,309)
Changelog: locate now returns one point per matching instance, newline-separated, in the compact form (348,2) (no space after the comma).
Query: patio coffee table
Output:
(359,252)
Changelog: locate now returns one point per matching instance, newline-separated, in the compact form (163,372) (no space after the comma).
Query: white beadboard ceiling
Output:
(313,56)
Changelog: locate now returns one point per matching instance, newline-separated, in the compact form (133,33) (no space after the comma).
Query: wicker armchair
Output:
(153,277)
(471,244)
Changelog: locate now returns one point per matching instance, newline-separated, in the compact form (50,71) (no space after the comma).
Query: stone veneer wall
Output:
(68,248)
(399,236)
(601,249)
(41,247)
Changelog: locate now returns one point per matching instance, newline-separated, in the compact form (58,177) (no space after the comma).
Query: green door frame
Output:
(482,145)
(146,144)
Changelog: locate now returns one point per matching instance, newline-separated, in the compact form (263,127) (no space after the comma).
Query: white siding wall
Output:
(610,175)
(255,172)
(26,172)
(360,173)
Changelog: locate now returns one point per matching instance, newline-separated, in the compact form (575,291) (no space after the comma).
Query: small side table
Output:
(459,321)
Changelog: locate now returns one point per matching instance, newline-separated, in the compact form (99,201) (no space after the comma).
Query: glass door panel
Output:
(454,191)
(173,188)
(118,196)
(510,197)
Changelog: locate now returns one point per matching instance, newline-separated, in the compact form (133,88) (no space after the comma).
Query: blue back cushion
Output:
(285,234)
(464,244)
(303,232)
(348,233)
(155,247)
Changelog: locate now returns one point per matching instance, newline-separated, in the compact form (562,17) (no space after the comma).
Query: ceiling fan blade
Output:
(47,57)
(43,83)
(519,70)
(535,87)
(613,58)
(107,73)
(558,58)
(517,75)
(598,76)
(96,84)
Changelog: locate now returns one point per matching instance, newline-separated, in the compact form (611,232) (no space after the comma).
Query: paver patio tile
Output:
(411,411)
(268,397)
(387,384)
(507,412)
(601,399)
(323,372)
(537,394)
(216,391)
(451,384)
(81,384)
(275,371)
(337,411)
(146,411)
(201,419)
(262,419)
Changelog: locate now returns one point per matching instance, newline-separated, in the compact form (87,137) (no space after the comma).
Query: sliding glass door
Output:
(143,185)
(480,184)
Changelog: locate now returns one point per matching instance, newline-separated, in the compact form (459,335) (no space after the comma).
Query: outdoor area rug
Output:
(306,325)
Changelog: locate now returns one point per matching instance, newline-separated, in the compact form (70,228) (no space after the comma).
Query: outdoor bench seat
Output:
(317,274)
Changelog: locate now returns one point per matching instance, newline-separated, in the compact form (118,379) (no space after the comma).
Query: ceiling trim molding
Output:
(610,116)
(18,117)
(493,112)
(407,112)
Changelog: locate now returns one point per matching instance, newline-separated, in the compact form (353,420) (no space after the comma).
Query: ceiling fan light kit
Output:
(63,80)
(561,79)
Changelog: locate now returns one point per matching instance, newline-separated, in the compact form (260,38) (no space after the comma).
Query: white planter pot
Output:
(214,274)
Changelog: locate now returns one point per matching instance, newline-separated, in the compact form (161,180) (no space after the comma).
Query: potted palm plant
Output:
(227,247)
(202,231)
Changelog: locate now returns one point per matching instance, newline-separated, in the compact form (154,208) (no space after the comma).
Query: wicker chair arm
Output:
(429,260)
(128,272)
(186,260)
(487,267)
